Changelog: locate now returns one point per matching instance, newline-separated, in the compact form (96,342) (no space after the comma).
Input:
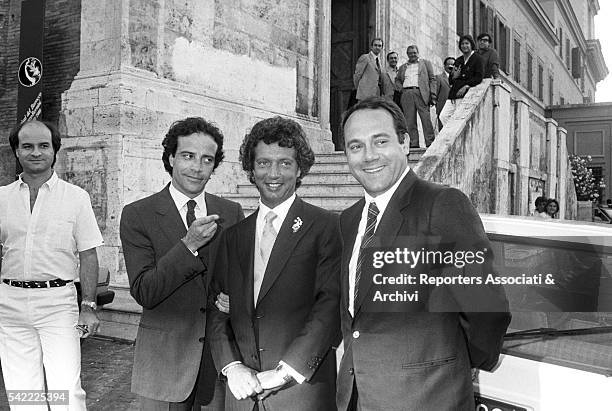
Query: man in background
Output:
(367,78)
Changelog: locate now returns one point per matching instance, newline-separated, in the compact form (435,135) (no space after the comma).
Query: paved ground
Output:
(106,371)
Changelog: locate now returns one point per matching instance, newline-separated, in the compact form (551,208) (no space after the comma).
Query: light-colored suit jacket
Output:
(366,76)
(171,285)
(427,79)
(389,85)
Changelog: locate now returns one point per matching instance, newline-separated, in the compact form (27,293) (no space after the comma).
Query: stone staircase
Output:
(329,185)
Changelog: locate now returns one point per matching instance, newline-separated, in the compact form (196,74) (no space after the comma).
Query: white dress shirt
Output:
(180,200)
(382,201)
(42,244)
(411,75)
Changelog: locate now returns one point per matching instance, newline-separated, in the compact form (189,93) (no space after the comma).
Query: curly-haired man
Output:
(280,269)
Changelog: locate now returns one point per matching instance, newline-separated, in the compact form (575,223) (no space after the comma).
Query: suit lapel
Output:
(286,240)
(169,220)
(349,234)
(246,247)
(388,228)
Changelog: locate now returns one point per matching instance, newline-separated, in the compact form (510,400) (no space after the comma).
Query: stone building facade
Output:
(119,72)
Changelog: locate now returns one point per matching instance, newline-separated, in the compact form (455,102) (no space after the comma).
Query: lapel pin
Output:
(297,223)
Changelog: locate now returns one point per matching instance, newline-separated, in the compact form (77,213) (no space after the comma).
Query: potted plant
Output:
(587,188)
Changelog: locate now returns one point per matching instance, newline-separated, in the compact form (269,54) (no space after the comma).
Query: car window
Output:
(568,322)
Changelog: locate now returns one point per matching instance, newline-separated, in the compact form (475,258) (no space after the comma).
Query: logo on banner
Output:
(30,72)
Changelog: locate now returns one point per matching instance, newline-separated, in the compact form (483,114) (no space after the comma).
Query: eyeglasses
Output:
(485,39)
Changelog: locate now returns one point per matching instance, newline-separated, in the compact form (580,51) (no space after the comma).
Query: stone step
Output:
(352,189)
(335,157)
(329,178)
(335,167)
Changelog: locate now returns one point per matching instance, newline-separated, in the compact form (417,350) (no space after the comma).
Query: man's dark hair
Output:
(285,132)
(540,200)
(56,139)
(389,54)
(376,38)
(375,103)
(187,127)
(483,35)
(468,38)
(412,46)
(448,58)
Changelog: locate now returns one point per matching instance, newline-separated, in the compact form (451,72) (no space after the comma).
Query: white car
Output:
(557,355)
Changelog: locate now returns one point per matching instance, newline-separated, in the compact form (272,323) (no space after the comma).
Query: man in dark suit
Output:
(443,86)
(369,70)
(408,359)
(283,288)
(169,241)
(417,83)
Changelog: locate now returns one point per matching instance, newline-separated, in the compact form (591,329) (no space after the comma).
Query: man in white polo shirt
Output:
(47,230)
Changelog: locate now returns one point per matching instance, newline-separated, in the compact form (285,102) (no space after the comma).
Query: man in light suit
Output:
(280,268)
(443,86)
(169,241)
(369,69)
(408,359)
(417,82)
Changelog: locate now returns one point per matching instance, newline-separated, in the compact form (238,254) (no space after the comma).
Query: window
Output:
(540,82)
(529,71)
(561,42)
(502,45)
(568,57)
(463,16)
(517,61)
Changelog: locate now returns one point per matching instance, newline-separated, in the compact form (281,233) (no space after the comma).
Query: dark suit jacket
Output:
(296,319)
(471,74)
(427,80)
(443,87)
(170,283)
(417,360)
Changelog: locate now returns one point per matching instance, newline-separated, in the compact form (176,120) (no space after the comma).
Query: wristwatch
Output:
(90,304)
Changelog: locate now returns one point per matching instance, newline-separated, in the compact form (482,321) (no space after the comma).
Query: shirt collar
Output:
(374,56)
(50,183)
(417,60)
(382,200)
(280,210)
(180,199)
(465,60)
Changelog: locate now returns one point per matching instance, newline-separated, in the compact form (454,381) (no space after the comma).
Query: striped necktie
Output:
(368,236)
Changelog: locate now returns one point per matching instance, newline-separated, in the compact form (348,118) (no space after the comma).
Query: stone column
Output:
(565,184)
(522,192)
(324,68)
(502,138)
(553,184)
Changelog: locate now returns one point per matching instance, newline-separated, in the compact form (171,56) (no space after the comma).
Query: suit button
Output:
(201,339)
(259,316)
(351,371)
(355,334)
(202,310)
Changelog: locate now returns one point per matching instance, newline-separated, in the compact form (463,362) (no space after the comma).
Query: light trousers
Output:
(37,329)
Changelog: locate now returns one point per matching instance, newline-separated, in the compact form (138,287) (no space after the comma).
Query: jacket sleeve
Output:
(399,79)
(219,332)
(360,67)
(322,329)
(432,80)
(456,221)
(153,277)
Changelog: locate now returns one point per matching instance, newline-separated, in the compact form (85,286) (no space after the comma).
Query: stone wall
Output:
(405,27)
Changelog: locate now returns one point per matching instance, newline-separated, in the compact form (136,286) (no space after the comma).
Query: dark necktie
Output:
(368,236)
(380,79)
(191,204)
